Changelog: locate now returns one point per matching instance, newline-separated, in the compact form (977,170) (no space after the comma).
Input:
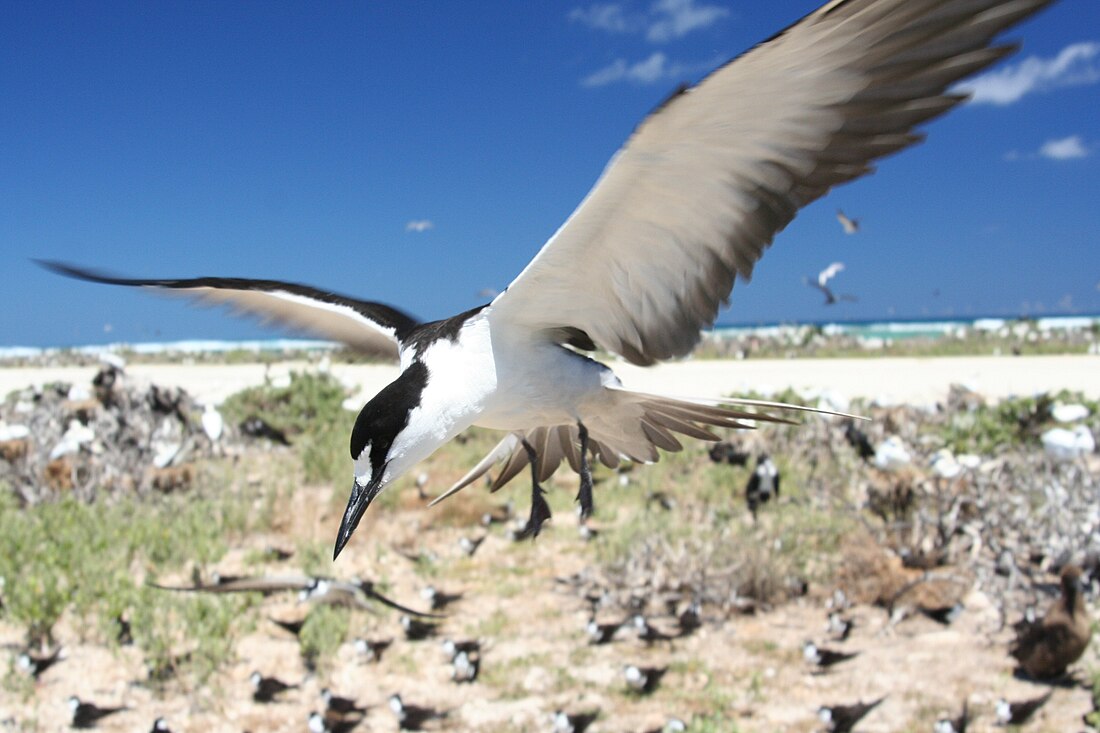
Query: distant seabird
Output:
(469,545)
(371,650)
(412,717)
(851,226)
(649,633)
(839,626)
(452,648)
(1046,648)
(821,283)
(954,725)
(1018,713)
(337,705)
(437,599)
(824,658)
(573,723)
(842,718)
(643,680)
(650,256)
(601,633)
(160,725)
(859,440)
(34,664)
(265,689)
(763,484)
(87,714)
(465,666)
(417,630)
(318,723)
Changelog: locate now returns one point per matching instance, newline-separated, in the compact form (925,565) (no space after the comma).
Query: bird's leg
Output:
(540,510)
(584,496)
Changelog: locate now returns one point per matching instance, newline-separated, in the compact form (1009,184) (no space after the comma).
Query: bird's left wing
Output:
(372,328)
(707,180)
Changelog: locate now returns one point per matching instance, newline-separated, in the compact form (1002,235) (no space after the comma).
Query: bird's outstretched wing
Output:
(707,180)
(372,328)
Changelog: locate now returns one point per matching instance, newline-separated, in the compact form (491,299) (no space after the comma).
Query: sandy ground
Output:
(889,380)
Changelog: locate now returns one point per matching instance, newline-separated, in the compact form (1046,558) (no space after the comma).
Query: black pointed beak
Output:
(361,497)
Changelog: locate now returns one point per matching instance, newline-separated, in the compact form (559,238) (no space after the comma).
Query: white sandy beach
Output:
(889,380)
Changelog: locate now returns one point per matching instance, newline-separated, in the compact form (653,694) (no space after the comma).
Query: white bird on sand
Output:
(686,207)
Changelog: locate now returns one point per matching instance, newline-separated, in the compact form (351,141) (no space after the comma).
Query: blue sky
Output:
(418,152)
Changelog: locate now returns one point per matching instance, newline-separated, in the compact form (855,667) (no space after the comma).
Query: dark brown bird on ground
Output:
(1045,648)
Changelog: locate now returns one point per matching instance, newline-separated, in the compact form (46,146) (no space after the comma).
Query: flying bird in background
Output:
(851,226)
(419,225)
(684,209)
(822,284)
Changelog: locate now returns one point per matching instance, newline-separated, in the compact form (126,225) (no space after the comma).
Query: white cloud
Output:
(655,68)
(677,18)
(418,225)
(608,17)
(1065,148)
(1075,65)
(666,20)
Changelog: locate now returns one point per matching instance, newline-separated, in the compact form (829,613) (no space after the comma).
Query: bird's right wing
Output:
(702,186)
(368,327)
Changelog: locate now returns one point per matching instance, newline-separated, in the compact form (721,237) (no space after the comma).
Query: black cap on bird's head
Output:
(376,429)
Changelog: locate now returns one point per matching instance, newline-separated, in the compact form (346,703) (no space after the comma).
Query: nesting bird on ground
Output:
(1046,648)
(954,725)
(824,658)
(643,680)
(452,648)
(257,427)
(34,665)
(601,633)
(850,226)
(839,626)
(337,705)
(317,723)
(649,633)
(763,484)
(573,723)
(87,714)
(661,499)
(160,725)
(859,441)
(842,718)
(727,452)
(417,630)
(266,689)
(690,619)
(437,599)
(371,650)
(465,666)
(469,545)
(412,717)
(650,256)
(822,284)
(1018,713)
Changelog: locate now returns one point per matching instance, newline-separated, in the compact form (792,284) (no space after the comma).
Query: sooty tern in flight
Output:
(822,284)
(686,207)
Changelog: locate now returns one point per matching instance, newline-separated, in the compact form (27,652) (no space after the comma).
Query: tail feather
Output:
(655,420)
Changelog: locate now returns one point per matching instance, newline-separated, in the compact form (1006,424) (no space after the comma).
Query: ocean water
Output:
(898,330)
(882,331)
